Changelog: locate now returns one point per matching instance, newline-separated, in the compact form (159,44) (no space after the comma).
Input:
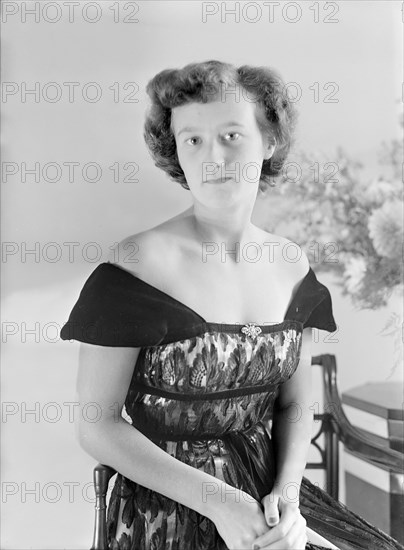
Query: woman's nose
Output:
(216,152)
(216,159)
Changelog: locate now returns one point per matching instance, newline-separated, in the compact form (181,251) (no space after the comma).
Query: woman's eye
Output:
(233,134)
(192,138)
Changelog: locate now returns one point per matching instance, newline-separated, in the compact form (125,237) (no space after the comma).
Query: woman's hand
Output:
(239,520)
(288,526)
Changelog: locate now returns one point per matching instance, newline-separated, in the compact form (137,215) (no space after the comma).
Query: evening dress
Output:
(205,392)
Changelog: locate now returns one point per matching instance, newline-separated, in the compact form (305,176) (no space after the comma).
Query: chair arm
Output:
(353,438)
(364,446)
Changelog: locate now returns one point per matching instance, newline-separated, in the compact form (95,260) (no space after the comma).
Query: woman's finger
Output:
(293,541)
(271,510)
(302,540)
(290,530)
(276,533)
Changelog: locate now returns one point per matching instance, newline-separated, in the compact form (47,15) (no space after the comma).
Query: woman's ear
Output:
(270,146)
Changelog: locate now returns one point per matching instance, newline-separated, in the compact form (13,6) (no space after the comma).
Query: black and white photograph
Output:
(202,275)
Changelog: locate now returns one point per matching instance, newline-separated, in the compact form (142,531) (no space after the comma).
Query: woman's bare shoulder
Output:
(289,256)
(144,251)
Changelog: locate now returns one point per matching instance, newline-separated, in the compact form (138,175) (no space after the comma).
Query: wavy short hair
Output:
(204,82)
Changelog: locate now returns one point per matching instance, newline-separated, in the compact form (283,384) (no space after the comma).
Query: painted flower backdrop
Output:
(347,223)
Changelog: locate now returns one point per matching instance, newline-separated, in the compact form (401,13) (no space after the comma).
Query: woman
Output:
(219,411)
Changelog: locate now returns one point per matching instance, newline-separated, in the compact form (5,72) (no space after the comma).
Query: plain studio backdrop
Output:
(87,67)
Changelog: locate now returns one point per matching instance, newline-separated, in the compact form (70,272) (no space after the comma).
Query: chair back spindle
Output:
(102,475)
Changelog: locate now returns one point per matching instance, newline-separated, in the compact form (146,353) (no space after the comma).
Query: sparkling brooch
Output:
(251,329)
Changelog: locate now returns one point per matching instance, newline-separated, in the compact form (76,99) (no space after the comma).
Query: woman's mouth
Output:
(219,180)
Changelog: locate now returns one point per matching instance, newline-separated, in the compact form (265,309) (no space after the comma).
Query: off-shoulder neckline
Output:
(210,324)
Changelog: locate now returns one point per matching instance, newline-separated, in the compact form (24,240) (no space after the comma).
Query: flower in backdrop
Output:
(355,269)
(385,226)
(347,223)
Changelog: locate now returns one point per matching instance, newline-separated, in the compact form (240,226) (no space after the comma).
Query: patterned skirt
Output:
(139,518)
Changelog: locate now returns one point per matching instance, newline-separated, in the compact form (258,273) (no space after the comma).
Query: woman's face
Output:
(220,139)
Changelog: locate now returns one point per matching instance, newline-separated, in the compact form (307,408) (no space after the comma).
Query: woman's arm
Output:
(103,381)
(292,425)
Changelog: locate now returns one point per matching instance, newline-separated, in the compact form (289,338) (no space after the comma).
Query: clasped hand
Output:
(275,524)
(288,526)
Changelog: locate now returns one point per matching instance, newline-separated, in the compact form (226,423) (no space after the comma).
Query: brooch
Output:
(251,329)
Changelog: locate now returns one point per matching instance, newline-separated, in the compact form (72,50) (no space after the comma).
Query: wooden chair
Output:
(333,424)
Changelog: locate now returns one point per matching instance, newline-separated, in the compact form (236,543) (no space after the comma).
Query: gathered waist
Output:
(249,451)
(142,388)
(203,436)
